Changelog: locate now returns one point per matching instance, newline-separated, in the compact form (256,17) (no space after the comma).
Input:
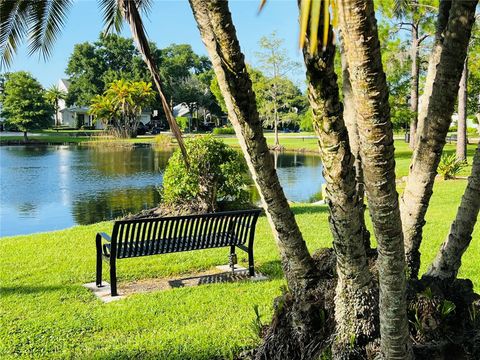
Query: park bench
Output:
(154,236)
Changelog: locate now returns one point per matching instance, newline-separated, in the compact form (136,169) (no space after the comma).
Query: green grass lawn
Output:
(46,313)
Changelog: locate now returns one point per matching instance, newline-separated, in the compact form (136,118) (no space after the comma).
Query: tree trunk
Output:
(25,138)
(356,303)
(275,124)
(478,115)
(349,117)
(462,115)
(132,17)
(415,73)
(370,90)
(449,258)
(219,36)
(454,26)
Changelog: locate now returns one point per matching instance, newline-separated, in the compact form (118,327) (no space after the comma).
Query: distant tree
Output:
(92,67)
(289,102)
(23,103)
(53,95)
(121,106)
(193,92)
(276,64)
(416,18)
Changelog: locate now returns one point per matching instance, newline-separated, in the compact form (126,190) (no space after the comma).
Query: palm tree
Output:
(370,96)
(462,115)
(121,106)
(53,95)
(42,22)
(356,316)
(454,26)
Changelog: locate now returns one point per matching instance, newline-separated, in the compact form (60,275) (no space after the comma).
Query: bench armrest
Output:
(105,236)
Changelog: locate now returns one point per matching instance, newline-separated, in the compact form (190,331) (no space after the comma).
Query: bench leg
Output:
(113,278)
(251,269)
(98,241)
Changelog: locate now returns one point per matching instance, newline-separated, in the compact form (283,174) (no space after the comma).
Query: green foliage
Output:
(223,131)
(182,122)
(215,173)
(93,66)
(449,166)
(446,308)
(23,102)
(215,90)
(306,121)
(121,105)
(257,325)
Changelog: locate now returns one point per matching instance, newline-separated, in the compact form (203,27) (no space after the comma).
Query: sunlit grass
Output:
(46,313)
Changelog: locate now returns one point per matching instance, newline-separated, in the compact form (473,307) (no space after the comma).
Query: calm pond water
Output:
(44,188)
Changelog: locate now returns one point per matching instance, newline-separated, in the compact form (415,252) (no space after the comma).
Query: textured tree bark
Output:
(415,73)
(369,87)
(454,26)
(462,115)
(449,258)
(219,36)
(349,117)
(356,311)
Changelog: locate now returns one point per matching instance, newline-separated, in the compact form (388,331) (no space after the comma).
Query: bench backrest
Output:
(132,238)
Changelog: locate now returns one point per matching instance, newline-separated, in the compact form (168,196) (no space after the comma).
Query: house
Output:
(78,116)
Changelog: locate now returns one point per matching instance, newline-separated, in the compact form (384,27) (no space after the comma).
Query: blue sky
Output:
(170,21)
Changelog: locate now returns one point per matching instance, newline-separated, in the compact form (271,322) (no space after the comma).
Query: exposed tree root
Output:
(444,321)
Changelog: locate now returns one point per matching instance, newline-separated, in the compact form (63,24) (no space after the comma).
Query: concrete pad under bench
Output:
(222,274)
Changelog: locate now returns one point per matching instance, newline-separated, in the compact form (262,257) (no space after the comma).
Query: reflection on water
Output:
(44,188)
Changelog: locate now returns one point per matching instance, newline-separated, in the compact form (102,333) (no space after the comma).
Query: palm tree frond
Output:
(112,15)
(46,20)
(312,19)
(40,20)
(112,12)
(13,28)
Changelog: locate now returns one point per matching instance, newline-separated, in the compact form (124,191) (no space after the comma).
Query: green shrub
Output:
(449,166)
(223,131)
(216,173)
(182,122)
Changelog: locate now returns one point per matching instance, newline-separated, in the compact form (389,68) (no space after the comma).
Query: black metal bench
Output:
(144,237)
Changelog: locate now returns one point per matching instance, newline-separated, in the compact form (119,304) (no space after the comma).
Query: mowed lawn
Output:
(46,313)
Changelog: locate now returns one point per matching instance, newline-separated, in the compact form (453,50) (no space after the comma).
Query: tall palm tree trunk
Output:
(454,26)
(462,115)
(370,93)
(356,311)
(449,258)
(414,86)
(349,117)
(133,18)
(218,34)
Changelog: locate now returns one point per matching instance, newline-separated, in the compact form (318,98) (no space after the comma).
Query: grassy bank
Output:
(46,313)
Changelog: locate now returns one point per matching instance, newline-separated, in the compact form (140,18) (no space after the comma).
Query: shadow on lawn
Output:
(309,209)
(271,269)
(28,290)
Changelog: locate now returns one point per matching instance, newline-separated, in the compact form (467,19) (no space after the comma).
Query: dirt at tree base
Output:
(444,321)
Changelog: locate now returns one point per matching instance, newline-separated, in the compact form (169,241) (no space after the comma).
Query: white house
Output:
(77,116)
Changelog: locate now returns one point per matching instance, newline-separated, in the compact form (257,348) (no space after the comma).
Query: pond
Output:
(44,188)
